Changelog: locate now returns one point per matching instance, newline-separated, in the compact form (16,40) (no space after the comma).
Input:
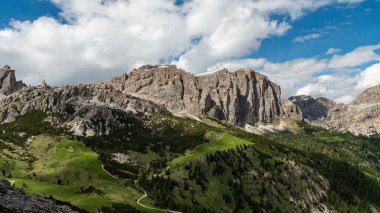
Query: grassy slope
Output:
(218,142)
(75,166)
(351,164)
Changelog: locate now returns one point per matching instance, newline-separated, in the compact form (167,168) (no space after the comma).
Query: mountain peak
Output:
(368,96)
(8,83)
(241,97)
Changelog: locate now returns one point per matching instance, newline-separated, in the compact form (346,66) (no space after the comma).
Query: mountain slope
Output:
(105,148)
(361,116)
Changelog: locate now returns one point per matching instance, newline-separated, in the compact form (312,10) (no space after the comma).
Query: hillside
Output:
(101,147)
(183,163)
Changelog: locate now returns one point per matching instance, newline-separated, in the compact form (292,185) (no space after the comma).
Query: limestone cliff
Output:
(313,109)
(8,83)
(241,97)
(361,116)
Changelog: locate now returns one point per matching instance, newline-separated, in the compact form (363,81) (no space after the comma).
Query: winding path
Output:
(108,172)
(152,208)
(145,194)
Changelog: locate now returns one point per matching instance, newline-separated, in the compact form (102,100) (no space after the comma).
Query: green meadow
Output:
(218,142)
(67,171)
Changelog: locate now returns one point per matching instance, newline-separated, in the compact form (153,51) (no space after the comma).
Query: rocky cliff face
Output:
(242,97)
(361,116)
(16,201)
(313,109)
(8,83)
(88,109)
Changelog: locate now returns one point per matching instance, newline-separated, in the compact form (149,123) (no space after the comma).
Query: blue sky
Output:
(72,41)
(25,10)
(343,27)
(340,27)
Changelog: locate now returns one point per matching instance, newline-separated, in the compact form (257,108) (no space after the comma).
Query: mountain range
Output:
(243,98)
(161,139)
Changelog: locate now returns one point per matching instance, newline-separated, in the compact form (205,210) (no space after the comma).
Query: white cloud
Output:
(369,77)
(234,28)
(290,74)
(332,51)
(104,38)
(98,39)
(342,87)
(359,56)
(338,87)
(350,1)
(308,37)
(304,76)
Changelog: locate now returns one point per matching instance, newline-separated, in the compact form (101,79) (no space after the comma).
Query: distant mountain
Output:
(361,116)
(313,109)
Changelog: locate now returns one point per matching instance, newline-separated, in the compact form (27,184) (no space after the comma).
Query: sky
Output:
(327,48)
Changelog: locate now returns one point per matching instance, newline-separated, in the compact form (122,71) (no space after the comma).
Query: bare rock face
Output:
(16,201)
(87,108)
(242,97)
(313,109)
(8,83)
(361,116)
(292,110)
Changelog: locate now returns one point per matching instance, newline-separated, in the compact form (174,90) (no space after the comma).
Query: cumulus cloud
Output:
(308,37)
(342,87)
(369,77)
(332,51)
(359,56)
(96,39)
(338,87)
(315,76)
(290,74)
(100,39)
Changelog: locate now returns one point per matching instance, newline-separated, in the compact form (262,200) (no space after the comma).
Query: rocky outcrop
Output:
(313,109)
(88,109)
(241,97)
(16,201)
(361,116)
(8,83)
(292,110)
